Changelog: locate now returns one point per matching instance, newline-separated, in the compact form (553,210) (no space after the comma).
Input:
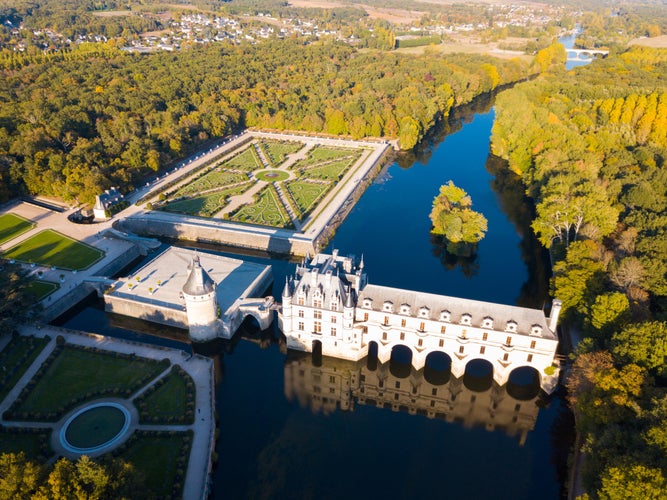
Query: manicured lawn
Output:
(331,171)
(268,210)
(277,151)
(272,175)
(51,248)
(77,375)
(208,204)
(95,427)
(168,402)
(306,194)
(11,225)
(41,289)
(157,456)
(33,442)
(321,154)
(211,180)
(15,359)
(246,160)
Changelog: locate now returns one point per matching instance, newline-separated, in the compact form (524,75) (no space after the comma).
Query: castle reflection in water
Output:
(327,384)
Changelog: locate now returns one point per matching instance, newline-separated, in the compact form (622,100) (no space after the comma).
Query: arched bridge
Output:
(585,54)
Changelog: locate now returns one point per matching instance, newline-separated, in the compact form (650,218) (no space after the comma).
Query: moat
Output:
(289,429)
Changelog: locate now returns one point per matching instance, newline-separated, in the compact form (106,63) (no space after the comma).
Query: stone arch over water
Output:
(437,368)
(524,383)
(478,375)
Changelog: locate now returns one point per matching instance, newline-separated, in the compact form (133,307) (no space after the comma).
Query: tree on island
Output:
(453,219)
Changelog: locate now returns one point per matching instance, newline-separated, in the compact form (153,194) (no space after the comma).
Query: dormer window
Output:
(424,312)
(334,306)
(368,304)
(487,322)
(405,309)
(388,306)
(536,330)
(511,326)
(445,316)
(466,319)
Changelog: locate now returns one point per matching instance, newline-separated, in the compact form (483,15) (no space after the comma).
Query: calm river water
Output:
(294,427)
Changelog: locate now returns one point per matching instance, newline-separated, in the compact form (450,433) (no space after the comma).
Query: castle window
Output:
(368,303)
(398,385)
(317,327)
(402,335)
(301,325)
(508,341)
(364,329)
(443,329)
(482,349)
(405,309)
(317,302)
(388,306)
(532,344)
(365,316)
(403,322)
(445,316)
(317,314)
(461,350)
(423,312)
(506,357)
(530,358)
(434,391)
(511,326)
(301,301)
(333,319)
(420,342)
(464,334)
(333,332)
(300,313)
(332,379)
(487,322)
(441,343)
(386,320)
(334,306)
(384,335)
(466,319)
(536,330)
(422,326)
(485,336)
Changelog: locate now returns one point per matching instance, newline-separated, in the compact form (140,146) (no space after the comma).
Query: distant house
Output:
(106,202)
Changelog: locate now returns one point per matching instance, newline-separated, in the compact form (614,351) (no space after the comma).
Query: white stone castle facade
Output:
(330,304)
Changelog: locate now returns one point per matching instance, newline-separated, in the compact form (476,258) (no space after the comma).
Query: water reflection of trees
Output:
(469,264)
(335,384)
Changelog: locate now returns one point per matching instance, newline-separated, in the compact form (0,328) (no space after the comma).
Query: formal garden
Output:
(290,187)
(77,377)
(12,225)
(51,248)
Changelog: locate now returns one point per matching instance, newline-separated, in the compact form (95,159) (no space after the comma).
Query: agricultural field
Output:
(267,210)
(12,225)
(51,248)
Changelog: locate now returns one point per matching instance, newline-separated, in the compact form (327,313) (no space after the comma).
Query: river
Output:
(294,427)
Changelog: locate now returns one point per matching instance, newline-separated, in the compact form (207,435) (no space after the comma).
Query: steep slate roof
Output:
(500,313)
(198,282)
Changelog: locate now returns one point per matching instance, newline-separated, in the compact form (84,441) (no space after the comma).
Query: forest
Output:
(590,146)
(81,121)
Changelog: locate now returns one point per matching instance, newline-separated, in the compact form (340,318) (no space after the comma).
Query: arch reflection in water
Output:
(337,384)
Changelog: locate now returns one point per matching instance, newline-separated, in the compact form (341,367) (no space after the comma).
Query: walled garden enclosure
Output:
(266,181)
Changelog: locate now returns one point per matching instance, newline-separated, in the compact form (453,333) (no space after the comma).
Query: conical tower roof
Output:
(198,282)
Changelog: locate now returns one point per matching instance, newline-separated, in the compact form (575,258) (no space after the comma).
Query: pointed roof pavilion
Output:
(199,282)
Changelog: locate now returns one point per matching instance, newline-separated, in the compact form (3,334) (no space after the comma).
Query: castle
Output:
(330,306)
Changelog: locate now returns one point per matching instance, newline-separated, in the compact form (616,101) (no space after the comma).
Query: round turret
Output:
(200,303)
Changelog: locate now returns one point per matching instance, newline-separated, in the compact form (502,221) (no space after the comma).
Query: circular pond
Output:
(94,427)
(272,175)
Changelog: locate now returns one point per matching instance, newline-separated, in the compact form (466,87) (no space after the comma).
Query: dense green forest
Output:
(77,123)
(590,146)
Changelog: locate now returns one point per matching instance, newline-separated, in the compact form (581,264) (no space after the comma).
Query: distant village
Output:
(198,28)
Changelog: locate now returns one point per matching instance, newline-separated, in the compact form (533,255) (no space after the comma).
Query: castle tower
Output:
(200,303)
(348,316)
(555,312)
(287,307)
